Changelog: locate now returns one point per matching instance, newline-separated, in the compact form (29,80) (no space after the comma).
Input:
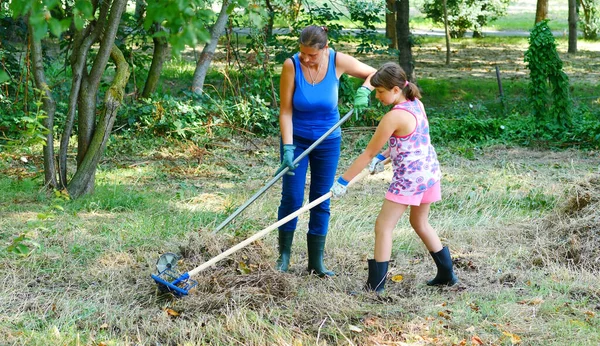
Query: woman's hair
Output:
(390,75)
(314,36)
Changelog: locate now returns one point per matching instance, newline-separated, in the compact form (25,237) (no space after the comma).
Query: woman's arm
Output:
(286,92)
(352,66)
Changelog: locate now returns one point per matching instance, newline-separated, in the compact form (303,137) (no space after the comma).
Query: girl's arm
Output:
(395,120)
(286,92)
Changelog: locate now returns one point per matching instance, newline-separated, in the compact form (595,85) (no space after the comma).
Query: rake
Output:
(284,171)
(180,284)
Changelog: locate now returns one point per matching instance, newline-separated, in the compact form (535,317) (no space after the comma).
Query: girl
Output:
(416,180)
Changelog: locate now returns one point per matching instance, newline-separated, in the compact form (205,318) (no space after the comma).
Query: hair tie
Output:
(406,83)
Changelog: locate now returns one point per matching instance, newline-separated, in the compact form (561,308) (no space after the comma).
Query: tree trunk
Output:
(82,182)
(140,10)
(572,26)
(89,133)
(270,21)
(82,43)
(390,23)
(541,11)
(161,51)
(447,32)
(49,107)
(404,39)
(209,49)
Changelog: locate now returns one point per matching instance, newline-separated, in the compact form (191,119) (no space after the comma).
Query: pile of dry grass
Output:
(573,232)
(244,278)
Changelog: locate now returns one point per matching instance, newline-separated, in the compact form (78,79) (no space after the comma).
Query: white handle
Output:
(262,233)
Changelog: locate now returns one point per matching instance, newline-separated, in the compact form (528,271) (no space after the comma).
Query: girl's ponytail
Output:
(411,91)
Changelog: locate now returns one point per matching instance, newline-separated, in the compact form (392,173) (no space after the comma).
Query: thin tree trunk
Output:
(572,26)
(404,41)
(49,107)
(81,47)
(161,50)
(390,23)
(447,32)
(269,26)
(91,83)
(82,182)
(209,50)
(541,11)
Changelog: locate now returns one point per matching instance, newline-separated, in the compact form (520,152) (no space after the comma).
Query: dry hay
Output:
(573,231)
(245,278)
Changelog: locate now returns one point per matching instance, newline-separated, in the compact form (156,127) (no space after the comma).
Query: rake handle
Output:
(263,232)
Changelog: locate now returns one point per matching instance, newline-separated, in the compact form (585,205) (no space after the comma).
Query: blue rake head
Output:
(179,285)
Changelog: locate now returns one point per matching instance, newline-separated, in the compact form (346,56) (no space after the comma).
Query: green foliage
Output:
(184,20)
(368,15)
(547,77)
(23,245)
(465,15)
(590,19)
(200,118)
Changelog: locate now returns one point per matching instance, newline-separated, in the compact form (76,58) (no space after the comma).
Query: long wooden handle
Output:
(262,233)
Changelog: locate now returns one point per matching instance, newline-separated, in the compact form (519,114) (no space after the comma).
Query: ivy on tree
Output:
(549,85)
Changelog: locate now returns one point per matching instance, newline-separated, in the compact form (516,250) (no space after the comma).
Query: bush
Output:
(465,15)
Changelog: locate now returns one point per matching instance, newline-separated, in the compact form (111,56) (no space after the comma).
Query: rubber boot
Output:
(445,273)
(285,248)
(377,276)
(316,246)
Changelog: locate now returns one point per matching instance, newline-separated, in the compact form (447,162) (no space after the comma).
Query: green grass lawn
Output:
(84,274)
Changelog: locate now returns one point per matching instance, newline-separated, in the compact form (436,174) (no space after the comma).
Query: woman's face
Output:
(311,56)
(387,97)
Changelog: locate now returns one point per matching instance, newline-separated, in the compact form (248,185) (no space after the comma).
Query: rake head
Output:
(170,281)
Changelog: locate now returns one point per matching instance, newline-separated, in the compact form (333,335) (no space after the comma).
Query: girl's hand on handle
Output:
(377,165)
(339,188)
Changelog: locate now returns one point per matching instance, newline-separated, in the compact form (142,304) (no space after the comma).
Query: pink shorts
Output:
(432,194)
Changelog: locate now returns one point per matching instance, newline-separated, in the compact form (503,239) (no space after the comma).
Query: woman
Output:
(309,107)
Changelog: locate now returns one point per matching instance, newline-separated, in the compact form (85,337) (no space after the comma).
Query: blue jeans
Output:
(323,162)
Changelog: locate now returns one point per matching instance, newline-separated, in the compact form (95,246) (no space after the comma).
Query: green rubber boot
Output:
(285,248)
(316,246)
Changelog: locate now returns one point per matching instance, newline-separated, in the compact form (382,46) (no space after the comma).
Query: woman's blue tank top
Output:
(315,108)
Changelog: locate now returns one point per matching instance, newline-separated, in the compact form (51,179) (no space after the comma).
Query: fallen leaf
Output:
(590,313)
(370,321)
(471,329)
(397,278)
(172,312)
(243,268)
(475,340)
(514,339)
(104,326)
(535,301)
(445,314)
(354,328)
(463,342)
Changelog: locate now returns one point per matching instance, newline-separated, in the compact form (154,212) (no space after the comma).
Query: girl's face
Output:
(388,97)
(311,56)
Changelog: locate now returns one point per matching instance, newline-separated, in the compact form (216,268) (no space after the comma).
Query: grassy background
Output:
(87,280)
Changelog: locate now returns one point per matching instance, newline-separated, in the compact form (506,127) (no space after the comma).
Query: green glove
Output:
(361,99)
(287,159)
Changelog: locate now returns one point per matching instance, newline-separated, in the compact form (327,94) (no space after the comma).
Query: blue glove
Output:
(376,165)
(361,99)
(287,159)
(339,188)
